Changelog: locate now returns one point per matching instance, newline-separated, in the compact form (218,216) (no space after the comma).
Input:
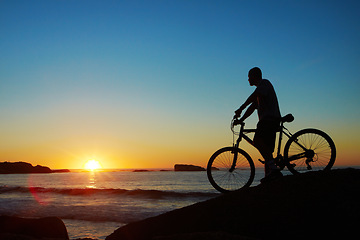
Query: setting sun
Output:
(92,165)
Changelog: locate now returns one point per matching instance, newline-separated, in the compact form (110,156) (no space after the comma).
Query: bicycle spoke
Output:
(226,177)
(319,153)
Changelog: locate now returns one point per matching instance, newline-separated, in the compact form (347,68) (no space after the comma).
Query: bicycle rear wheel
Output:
(223,177)
(309,150)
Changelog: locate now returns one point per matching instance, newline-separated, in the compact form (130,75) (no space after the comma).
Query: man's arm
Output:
(248,112)
(251,99)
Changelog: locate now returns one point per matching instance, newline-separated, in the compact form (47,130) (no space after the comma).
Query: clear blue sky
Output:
(154,83)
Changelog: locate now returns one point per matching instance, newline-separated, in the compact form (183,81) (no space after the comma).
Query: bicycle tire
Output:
(224,180)
(323,147)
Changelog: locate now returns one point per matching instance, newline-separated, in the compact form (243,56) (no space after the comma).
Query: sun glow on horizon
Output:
(92,165)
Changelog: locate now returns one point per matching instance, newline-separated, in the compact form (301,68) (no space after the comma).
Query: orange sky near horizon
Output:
(151,153)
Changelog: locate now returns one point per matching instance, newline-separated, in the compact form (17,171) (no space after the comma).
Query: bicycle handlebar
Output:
(235,121)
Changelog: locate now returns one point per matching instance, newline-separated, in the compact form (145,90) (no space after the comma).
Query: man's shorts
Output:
(266,133)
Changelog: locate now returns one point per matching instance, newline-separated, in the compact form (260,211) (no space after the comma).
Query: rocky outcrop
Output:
(23,167)
(185,167)
(24,228)
(61,171)
(314,205)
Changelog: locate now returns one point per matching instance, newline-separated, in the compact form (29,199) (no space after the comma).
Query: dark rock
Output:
(85,239)
(23,167)
(61,171)
(204,236)
(314,205)
(25,228)
(184,167)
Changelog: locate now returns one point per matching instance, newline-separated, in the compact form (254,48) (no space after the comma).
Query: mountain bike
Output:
(231,168)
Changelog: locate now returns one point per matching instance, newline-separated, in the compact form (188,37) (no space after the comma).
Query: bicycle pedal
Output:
(262,161)
(281,167)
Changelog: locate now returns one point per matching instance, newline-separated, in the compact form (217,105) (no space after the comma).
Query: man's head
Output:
(255,76)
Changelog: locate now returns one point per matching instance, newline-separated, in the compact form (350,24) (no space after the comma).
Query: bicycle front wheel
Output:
(224,175)
(309,150)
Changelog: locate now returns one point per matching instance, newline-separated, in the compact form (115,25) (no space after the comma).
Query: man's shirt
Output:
(266,101)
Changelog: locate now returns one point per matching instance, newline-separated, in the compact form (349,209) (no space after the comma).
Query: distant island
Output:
(23,167)
(141,170)
(186,167)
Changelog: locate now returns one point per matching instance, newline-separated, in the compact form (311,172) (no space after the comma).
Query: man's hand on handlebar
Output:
(237,113)
(237,122)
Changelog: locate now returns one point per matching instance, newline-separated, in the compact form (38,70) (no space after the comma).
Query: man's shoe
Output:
(274,174)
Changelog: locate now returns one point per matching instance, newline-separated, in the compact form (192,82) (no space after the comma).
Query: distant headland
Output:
(24,167)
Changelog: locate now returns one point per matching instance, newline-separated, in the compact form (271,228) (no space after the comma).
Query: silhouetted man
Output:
(265,101)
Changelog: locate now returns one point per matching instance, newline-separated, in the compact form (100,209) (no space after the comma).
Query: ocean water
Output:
(94,204)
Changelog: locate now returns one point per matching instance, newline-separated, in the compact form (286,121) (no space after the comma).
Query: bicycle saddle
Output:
(287,118)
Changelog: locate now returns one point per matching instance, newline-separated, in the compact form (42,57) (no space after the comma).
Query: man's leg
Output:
(264,141)
(266,153)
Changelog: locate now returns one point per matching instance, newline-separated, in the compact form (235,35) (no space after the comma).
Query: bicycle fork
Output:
(233,165)
(235,152)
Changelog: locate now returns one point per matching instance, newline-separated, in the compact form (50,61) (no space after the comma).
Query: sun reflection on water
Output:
(92,179)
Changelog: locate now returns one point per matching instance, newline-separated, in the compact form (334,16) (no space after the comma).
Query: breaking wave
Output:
(110,191)
(95,205)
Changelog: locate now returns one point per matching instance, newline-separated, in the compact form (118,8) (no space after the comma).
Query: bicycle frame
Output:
(243,132)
